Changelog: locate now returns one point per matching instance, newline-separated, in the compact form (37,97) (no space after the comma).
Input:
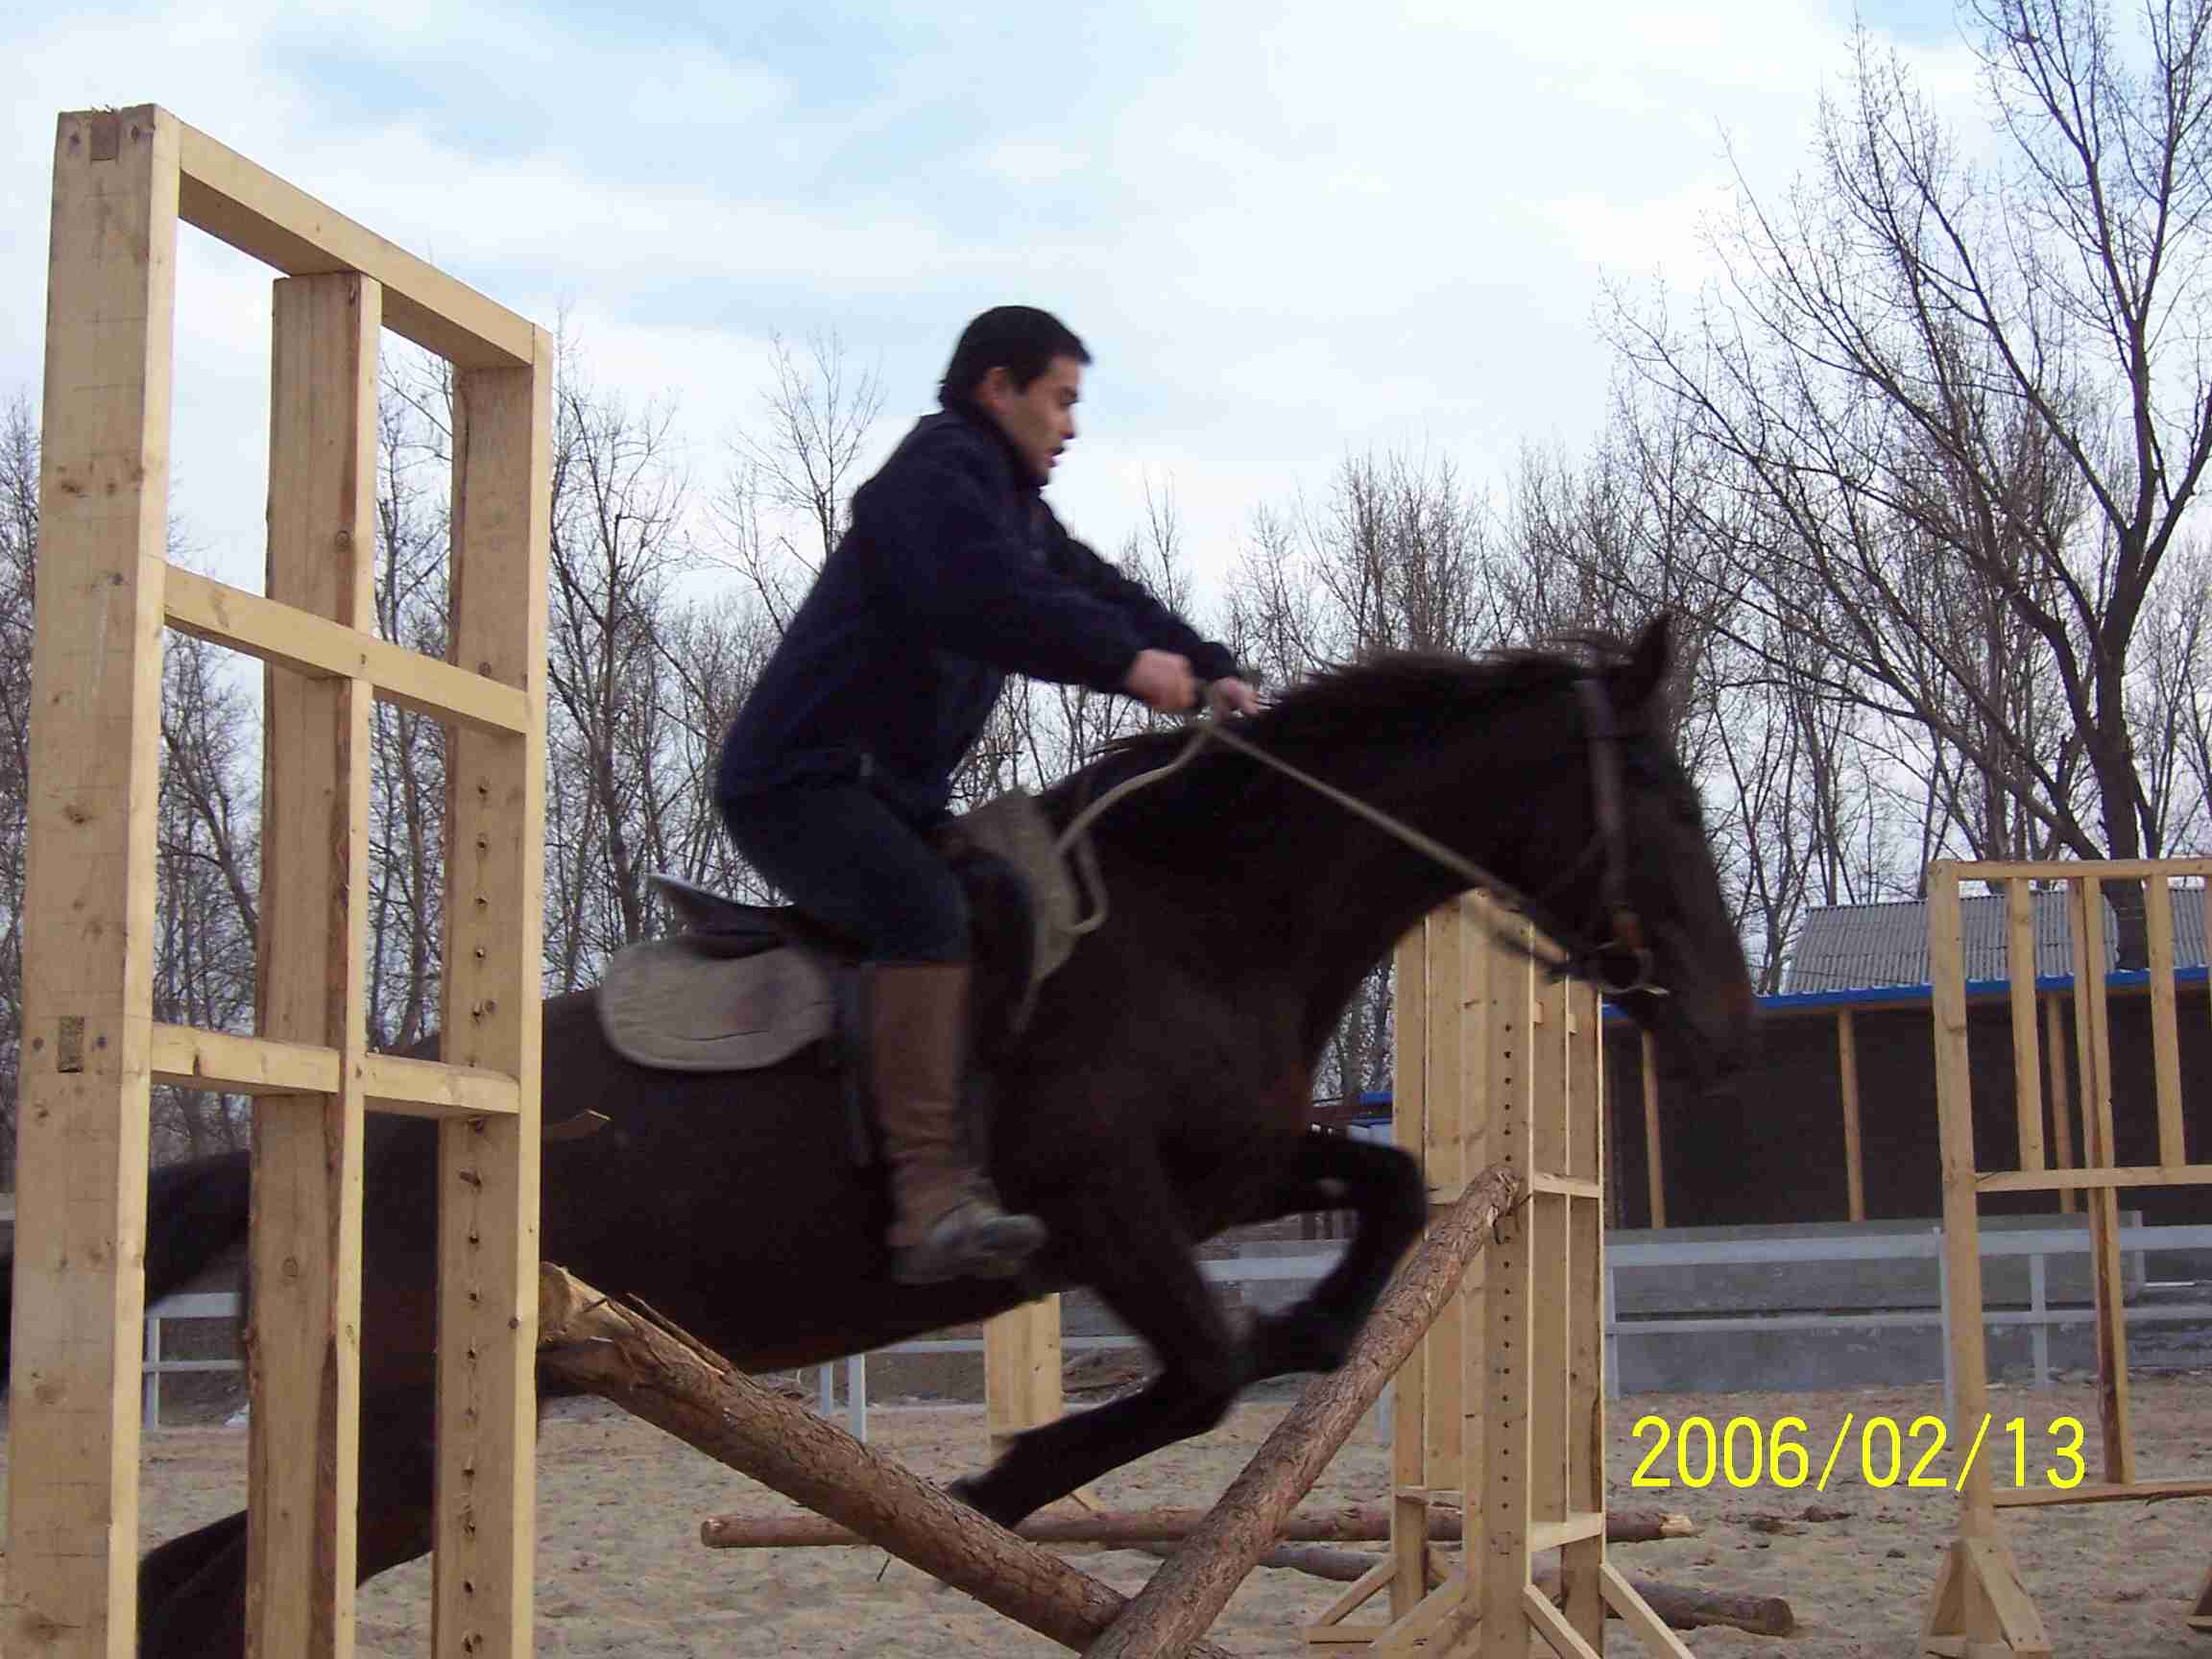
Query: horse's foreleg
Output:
(1142,1264)
(192,1590)
(1382,1187)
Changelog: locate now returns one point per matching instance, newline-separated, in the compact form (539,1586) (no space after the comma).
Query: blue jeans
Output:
(845,859)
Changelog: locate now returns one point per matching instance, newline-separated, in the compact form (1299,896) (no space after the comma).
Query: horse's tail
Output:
(193,1213)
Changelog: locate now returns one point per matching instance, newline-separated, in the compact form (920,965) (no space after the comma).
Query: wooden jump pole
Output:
(1979,1607)
(1347,1523)
(123,180)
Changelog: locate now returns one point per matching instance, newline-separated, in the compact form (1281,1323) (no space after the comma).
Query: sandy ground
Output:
(621,1571)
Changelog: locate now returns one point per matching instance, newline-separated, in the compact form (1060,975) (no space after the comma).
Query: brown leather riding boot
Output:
(947,1223)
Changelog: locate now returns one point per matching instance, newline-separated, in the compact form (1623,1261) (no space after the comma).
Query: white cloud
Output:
(1288,232)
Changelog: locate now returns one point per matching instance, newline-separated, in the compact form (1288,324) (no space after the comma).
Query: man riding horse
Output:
(836,772)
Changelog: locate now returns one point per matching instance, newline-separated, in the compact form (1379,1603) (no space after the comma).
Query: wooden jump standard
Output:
(1979,1609)
(123,180)
(1505,1401)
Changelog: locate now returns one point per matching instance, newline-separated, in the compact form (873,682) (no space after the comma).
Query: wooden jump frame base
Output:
(1978,1609)
(122,181)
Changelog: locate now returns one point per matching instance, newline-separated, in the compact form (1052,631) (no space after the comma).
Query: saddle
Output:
(743,987)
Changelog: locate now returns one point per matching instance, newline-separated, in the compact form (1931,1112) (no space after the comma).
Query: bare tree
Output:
(786,497)
(1973,405)
(618,540)
(18,554)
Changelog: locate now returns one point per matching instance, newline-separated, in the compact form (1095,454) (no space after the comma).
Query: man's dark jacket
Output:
(953,574)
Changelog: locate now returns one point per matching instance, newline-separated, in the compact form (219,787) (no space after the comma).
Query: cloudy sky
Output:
(1288,232)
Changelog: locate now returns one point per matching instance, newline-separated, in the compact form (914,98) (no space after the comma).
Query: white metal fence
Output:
(2038,1245)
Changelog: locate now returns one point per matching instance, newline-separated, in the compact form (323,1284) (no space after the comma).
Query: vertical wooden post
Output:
(304,1343)
(1978,1598)
(1022,1370)
(88,930)
(2093,1034)
(2020,987)
(1654,1151)
(2061,1096)
(1412,1005)
(1853,1153)
(1498,1557)
(488,1193)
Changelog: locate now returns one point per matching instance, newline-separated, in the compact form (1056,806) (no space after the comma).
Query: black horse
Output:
(1159,1093)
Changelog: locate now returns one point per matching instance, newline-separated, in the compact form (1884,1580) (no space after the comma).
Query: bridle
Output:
(1618,966)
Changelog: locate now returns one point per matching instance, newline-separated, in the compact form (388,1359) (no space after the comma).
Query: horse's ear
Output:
(1640,681)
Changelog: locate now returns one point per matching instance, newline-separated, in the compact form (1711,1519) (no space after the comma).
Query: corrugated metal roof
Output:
(1859,947)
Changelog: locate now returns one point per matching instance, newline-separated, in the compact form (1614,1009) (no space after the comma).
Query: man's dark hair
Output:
(1020,339)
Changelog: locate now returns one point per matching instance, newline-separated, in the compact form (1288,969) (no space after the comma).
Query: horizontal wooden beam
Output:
(2126,1492)
(2074,869)
(309,644)
(2055,1180)
(230,1065)
(429,1088)
(1566,1186)
(225,1064)
(220,192)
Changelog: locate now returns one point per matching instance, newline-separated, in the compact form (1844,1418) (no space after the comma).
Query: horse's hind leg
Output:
(1382,1187)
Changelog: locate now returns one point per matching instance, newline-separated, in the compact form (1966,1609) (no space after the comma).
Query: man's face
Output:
(1039,417)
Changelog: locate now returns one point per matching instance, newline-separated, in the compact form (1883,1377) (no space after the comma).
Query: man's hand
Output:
(1163,681)
(1232,696)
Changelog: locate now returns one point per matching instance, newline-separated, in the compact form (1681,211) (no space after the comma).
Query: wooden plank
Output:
(431,1088)
(184,1057)
(2019,980)
(1409,1405)
(2104,1492)
(88,897)
(1854,1151)
(290,638)
(1581,1559)
(2019,1627)
(1650,1630)
(2165,1026)
(1955,1110)
(488,1167)
(259,213)
(1549,1218)
(1021,1362)
(1361,1591)
(1576,1526)
(1566,1187)
(2093,1031)
(1654,1155)
(1552,1624)
(304,1330)
(1499,1571)
(2094,1180)
(1457,940)
(2077,869)
(187,1058)
(2062,1102)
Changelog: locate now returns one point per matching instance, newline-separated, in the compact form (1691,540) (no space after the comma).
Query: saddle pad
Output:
(666,1005)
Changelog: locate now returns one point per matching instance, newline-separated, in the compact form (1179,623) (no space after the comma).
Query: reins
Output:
(1624,943)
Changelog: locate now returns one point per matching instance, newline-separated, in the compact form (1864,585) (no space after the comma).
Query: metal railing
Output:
(2038,1245)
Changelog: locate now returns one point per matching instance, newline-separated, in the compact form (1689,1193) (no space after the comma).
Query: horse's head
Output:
(1639,904)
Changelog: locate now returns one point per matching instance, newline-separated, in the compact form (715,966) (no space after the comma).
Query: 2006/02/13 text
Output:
(1745,1452)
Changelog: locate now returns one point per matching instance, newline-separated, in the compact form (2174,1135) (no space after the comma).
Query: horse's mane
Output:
(1377,697)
